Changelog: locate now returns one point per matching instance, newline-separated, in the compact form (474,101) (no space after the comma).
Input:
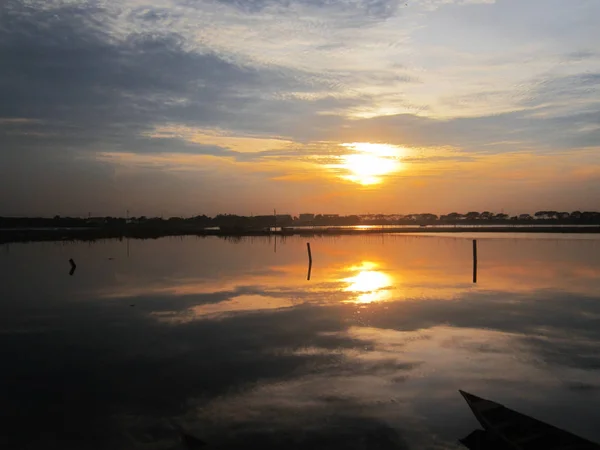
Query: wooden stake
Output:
(73,266)
(474,261)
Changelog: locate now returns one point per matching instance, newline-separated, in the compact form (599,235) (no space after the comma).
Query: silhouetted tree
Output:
(428,217)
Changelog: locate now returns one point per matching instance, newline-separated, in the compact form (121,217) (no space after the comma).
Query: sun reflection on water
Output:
(369,285)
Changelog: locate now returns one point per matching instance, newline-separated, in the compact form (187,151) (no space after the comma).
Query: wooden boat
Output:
(192,442)
(483,440)
(520,432)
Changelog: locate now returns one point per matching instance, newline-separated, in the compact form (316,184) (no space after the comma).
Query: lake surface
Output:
(228,339)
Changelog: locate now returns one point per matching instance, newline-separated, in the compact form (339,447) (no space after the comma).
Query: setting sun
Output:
(369,162)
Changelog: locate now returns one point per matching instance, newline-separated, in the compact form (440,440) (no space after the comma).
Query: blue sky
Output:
(182,107)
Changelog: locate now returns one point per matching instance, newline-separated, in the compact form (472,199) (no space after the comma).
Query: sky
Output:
(186,107)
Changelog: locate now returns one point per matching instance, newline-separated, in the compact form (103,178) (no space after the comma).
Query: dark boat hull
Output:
(521,432)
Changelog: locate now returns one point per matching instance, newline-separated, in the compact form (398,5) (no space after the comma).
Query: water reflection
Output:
(428,268)
(236,304)
(242,351)
(369,285)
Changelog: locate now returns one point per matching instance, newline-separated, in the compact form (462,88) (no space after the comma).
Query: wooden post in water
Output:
(474,261)
(73,266)
(309,260)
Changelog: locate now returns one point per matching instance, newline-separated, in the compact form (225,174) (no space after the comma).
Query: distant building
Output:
(306,217)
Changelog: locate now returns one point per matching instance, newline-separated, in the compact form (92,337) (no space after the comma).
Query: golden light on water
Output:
(369,163)
(369,284)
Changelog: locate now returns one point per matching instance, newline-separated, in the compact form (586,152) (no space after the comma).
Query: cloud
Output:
(358,9)
(579,88)
(281,84)
(524,130)
(82,82)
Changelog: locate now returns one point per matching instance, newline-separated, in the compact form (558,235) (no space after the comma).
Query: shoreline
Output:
(8,236)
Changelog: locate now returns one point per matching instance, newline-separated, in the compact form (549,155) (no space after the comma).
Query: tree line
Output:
(232,221)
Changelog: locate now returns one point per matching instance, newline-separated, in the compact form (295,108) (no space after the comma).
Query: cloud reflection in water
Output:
(240,348)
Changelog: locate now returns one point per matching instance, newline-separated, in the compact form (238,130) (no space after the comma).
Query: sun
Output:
(368,163)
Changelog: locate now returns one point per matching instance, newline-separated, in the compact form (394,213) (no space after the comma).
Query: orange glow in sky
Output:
(352,107)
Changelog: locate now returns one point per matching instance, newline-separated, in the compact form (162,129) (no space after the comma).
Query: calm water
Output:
(231,341)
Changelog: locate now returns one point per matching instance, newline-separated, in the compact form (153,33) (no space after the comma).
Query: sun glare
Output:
(368,284)
(368,163)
